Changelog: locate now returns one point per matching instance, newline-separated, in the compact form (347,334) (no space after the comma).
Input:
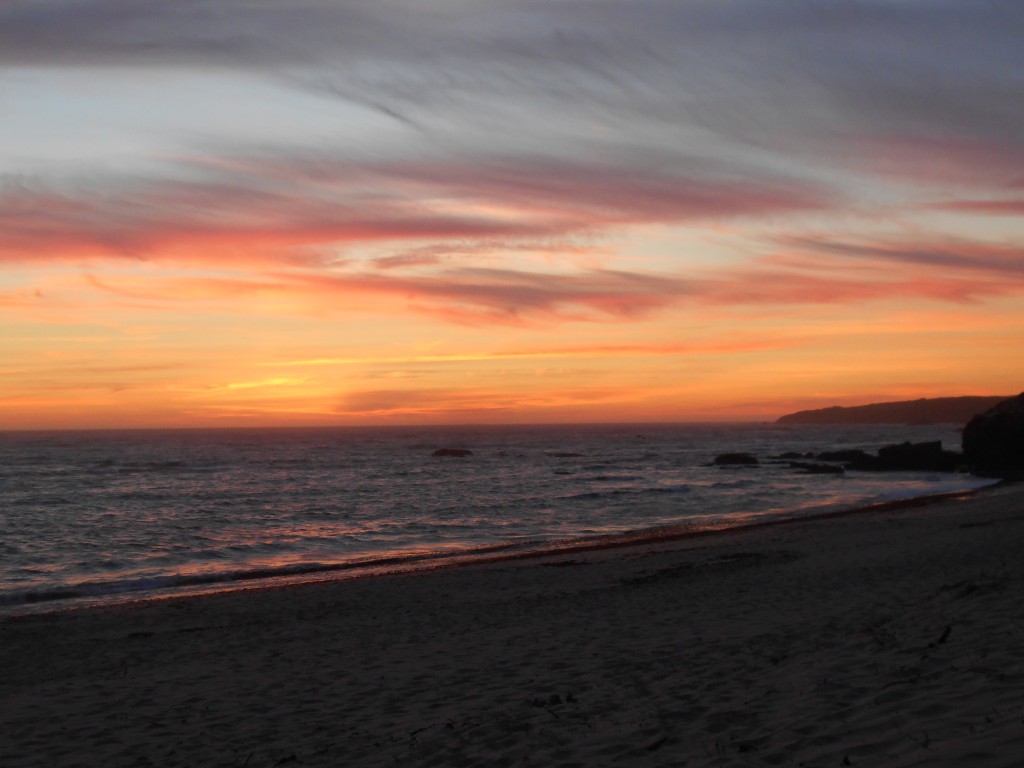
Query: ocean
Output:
(98,517)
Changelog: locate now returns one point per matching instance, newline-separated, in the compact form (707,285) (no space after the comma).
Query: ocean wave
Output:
(153,466)
(154,584)
(656,491)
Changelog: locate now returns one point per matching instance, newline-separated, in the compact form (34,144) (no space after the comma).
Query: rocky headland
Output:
(936,410)
(993,438)
(993,441)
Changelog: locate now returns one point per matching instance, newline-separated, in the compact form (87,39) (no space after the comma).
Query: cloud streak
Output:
(713,347)
(439,401)
(475,296)
(763,73)
(270,205)
(983,207)
(950,256)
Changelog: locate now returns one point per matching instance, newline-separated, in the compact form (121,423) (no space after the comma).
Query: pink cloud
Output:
(814,269)
(760,287)
(930,160)
(280,209)
(185,223)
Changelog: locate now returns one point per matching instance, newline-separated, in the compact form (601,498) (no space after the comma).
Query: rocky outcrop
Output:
(928,457)
(902,457)
(745,459)
(993,441)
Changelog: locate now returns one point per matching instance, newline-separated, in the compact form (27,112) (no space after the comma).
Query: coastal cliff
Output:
(938,410)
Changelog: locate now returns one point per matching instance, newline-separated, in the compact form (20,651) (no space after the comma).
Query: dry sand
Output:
(880,639)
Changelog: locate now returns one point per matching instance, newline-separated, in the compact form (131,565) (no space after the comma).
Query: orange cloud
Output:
(465,403)
(716,347)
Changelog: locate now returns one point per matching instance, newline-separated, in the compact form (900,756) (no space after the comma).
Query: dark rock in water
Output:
(794,455)
(459,452)
(928,457)
(736,458)
(817,469)
(904,457)
(993,441)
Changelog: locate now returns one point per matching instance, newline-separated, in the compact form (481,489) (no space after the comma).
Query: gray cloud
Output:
(765,73)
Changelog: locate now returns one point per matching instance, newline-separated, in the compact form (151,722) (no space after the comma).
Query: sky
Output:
(333,212)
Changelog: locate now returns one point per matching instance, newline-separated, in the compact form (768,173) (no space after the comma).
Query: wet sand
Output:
(887,638)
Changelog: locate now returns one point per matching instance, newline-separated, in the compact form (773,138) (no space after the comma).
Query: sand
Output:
(889,638)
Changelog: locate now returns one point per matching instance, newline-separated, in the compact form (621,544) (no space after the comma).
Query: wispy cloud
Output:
(272,208)
(710,347)
(830,272)
(440,401)
(762,72)
(468,296)
(983,207)
(951,257)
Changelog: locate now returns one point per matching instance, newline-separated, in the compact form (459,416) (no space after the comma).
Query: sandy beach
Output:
(886,638)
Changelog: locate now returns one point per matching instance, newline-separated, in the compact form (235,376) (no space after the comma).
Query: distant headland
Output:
(936,410)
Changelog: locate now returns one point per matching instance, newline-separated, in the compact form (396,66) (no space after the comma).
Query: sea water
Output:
(103,516)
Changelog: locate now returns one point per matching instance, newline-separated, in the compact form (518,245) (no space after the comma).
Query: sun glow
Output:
(371,234)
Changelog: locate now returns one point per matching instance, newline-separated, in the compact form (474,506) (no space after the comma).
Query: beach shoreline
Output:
(409,563)
(881,636)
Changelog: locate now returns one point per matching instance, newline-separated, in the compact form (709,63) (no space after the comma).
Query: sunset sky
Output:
(250,212)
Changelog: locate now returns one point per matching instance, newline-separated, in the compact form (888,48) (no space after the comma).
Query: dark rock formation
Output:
(736,458)
(993,442)
(928,457)
(936,410)
(459,452)
(904,457)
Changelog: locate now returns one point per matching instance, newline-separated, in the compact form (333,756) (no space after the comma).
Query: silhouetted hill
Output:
(936,410)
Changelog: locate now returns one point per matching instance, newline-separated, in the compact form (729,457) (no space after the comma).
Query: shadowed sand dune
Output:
(888,638)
